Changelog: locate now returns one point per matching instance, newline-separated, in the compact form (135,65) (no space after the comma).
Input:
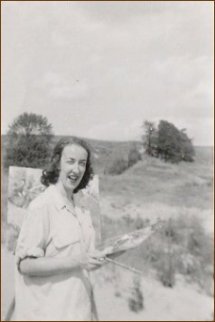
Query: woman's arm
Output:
(48,266)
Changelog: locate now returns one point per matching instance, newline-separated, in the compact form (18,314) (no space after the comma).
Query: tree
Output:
(173,144)
(150,138)
(169,147)
(29,138)
(187,148)
(167,142)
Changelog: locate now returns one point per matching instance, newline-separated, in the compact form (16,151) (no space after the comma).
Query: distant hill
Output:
(103,151)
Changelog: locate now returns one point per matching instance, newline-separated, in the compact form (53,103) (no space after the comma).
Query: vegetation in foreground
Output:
(182,246)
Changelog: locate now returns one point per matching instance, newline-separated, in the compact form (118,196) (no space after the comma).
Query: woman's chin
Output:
(72,186)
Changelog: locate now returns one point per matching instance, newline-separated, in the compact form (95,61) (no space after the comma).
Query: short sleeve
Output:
(33,237)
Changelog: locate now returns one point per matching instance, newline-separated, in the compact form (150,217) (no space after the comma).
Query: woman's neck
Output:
(68,195)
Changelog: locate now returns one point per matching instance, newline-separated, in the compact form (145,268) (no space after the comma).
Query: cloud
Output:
(116,130)
(133,60)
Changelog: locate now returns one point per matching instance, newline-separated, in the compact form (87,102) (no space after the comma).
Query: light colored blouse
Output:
(54,228)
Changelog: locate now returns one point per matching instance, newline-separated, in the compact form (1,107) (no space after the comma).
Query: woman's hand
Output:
(48,266)
(92,260)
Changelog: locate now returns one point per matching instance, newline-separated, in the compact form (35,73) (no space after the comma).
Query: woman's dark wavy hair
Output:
(50,174)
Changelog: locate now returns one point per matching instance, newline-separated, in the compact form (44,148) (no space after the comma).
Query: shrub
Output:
(136,301)
(133,156)
(141,223)
(118,166)
(166,270)
(11,237)
(181,246)
(128,220)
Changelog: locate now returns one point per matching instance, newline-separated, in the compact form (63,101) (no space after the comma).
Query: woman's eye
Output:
(81,163)
(70,161)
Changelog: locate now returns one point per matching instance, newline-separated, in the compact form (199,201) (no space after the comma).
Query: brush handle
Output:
(129,268)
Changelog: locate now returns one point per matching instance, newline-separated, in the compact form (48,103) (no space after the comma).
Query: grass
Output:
(154,189)
(154,181)
(181,246)
(149,190)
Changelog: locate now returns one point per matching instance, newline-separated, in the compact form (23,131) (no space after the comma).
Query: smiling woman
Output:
(65,149)
(56,245)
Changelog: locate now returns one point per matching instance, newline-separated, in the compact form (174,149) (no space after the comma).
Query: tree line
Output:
(29,141)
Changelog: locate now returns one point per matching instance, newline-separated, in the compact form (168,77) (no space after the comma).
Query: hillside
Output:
(151,183)
(105,151)
(159,187)
(150,190)
(102,151)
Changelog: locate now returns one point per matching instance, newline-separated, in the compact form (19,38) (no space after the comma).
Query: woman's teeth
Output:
(73,178)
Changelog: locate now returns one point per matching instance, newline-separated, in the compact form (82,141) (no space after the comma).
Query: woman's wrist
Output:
(73,262)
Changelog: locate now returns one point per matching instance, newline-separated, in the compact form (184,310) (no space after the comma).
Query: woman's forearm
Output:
(47,266)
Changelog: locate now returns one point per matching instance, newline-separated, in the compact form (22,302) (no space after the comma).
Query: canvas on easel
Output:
(25,185)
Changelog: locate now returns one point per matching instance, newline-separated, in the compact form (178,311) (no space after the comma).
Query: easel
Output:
(10,310)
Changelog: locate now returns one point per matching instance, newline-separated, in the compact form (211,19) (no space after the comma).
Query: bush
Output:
(166,270)
(133,156)
(120,164)
(141,223)
(12,234)
(181,246)
(117,167)
(136,301)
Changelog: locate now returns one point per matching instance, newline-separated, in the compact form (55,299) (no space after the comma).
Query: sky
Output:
(100,69)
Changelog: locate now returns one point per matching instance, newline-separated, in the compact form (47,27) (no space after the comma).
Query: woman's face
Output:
(72,166)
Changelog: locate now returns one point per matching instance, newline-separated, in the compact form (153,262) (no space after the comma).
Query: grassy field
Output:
(177,263)
(153,188)
(181,255)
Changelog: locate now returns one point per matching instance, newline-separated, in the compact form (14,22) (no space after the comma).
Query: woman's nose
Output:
(75,168)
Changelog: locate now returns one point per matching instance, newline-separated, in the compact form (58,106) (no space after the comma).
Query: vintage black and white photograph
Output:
(107,160)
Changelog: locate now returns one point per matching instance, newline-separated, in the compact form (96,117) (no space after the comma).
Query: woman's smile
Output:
(73,178)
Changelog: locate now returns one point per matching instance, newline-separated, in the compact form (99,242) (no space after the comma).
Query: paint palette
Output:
(127,241)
